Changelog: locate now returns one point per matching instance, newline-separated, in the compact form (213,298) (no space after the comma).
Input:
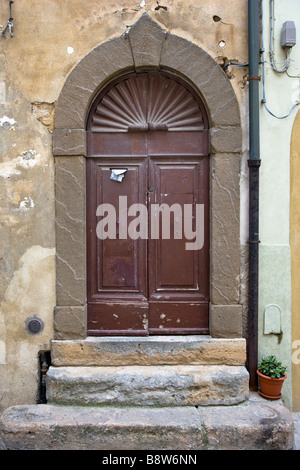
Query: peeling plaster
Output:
(7,123)
(28,293)
(44,113)
(21,285)
(2,92)
(27,159)
(26,204)
(2,352)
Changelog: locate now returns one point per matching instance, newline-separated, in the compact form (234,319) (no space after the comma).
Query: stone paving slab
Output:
(257,424)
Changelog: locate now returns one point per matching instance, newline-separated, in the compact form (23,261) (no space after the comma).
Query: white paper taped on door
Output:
(118,175)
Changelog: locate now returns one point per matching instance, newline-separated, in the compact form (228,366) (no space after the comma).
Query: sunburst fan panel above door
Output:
(147,101)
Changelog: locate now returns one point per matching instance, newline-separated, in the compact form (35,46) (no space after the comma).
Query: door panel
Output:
(178,284)
(153,285)
(172,267)
(105,144)
(123,260)
(178,143)
(117,267)
(118,318)
(178,318)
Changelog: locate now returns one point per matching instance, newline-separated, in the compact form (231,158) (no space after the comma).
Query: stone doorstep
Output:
(148,385)
(151,350)
(257,424)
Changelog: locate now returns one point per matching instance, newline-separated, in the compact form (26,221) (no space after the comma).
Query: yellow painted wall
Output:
(295,259)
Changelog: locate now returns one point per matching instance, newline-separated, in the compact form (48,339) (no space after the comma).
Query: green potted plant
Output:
(271,375)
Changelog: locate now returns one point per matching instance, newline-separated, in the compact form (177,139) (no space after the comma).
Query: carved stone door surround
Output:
(147,47)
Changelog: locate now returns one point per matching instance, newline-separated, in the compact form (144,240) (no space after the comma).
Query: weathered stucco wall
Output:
(50,38)
(281,92)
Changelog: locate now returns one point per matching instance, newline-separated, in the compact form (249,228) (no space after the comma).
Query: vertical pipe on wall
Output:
(254,164)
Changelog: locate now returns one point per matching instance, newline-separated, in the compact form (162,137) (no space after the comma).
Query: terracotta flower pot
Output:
(270,388)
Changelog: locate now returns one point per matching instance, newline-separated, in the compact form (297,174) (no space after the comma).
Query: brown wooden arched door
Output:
(147,209)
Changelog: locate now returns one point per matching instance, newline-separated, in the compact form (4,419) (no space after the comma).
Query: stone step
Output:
(148,385)
(151,350)
(257,424)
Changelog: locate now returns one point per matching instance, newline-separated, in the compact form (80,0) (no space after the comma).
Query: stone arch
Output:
(147,46)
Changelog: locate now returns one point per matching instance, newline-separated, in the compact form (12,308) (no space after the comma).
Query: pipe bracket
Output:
(254,162)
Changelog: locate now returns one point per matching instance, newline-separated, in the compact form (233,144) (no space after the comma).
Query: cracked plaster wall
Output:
(50,39)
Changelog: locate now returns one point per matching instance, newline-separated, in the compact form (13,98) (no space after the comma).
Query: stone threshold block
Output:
(148,385)
(257,424)
(152,350)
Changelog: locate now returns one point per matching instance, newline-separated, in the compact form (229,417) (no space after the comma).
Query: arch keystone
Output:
(146,39)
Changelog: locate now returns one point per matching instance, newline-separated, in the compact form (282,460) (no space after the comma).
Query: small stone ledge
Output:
(258,424)
(152,350)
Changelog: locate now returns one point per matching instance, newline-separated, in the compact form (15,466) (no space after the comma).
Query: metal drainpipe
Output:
(254,164)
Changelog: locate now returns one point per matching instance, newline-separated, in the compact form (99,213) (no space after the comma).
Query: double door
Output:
(148,254)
